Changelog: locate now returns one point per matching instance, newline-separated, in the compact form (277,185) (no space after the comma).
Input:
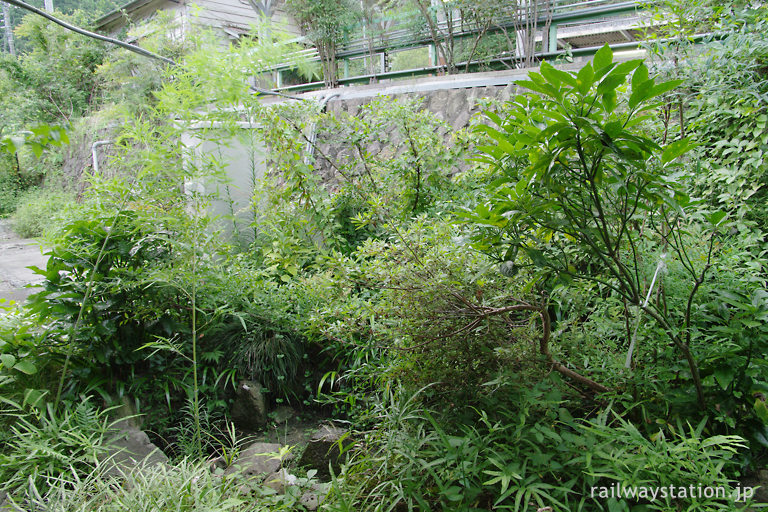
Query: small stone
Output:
(309,500)
(282,414)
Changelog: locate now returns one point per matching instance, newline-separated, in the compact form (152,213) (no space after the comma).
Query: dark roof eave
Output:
(117,14)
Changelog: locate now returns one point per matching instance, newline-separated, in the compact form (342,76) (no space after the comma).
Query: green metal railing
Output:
(379,47)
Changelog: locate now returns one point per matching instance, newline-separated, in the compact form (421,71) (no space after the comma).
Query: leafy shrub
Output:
(734,362)
(188,486)
(525,456)
(55,79)
(577,181)
(262,350)
(675,456)
(723,102)
(430,314)
(14,181)
(43,444)
(39,211)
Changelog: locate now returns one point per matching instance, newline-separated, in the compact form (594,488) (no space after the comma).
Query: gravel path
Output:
(15,255)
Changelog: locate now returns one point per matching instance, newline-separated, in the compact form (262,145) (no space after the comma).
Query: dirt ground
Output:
(16,254)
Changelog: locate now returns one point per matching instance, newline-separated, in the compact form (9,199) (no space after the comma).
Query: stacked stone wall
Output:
(455,107)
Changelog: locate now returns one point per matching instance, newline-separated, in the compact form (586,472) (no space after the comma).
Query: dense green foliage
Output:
(582,306)
(326,23)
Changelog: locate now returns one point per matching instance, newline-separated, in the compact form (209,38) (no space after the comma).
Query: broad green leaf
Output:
(724,376)
(545,89)
(585,78)
(761,410)
(675,149)
(715,218)
(37,148)
(609,101)
(640,76)
(640,92)
(26,367)
(617,76)
(556,76)
(603,58)
(663,87)
(42,130)
(493,117)
(8,360)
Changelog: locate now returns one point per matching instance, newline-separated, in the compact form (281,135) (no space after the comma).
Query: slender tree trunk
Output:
(7,27)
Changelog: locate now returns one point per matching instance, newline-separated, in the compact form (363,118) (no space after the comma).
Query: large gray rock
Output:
(128,449)
(249,412)
(323,450)
(258,460)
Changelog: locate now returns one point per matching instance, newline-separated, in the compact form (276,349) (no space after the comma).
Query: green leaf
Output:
(8,360)
(557,77)
(675,149)
(545,89)
(640,76)
(37,148)
(715,218)
(585,78)
(761,410)
(603,58)
(663,87)
(640,92)
(26,367)
(724,376)
(609,101)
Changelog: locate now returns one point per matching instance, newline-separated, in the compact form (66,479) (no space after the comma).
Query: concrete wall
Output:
(242,162)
